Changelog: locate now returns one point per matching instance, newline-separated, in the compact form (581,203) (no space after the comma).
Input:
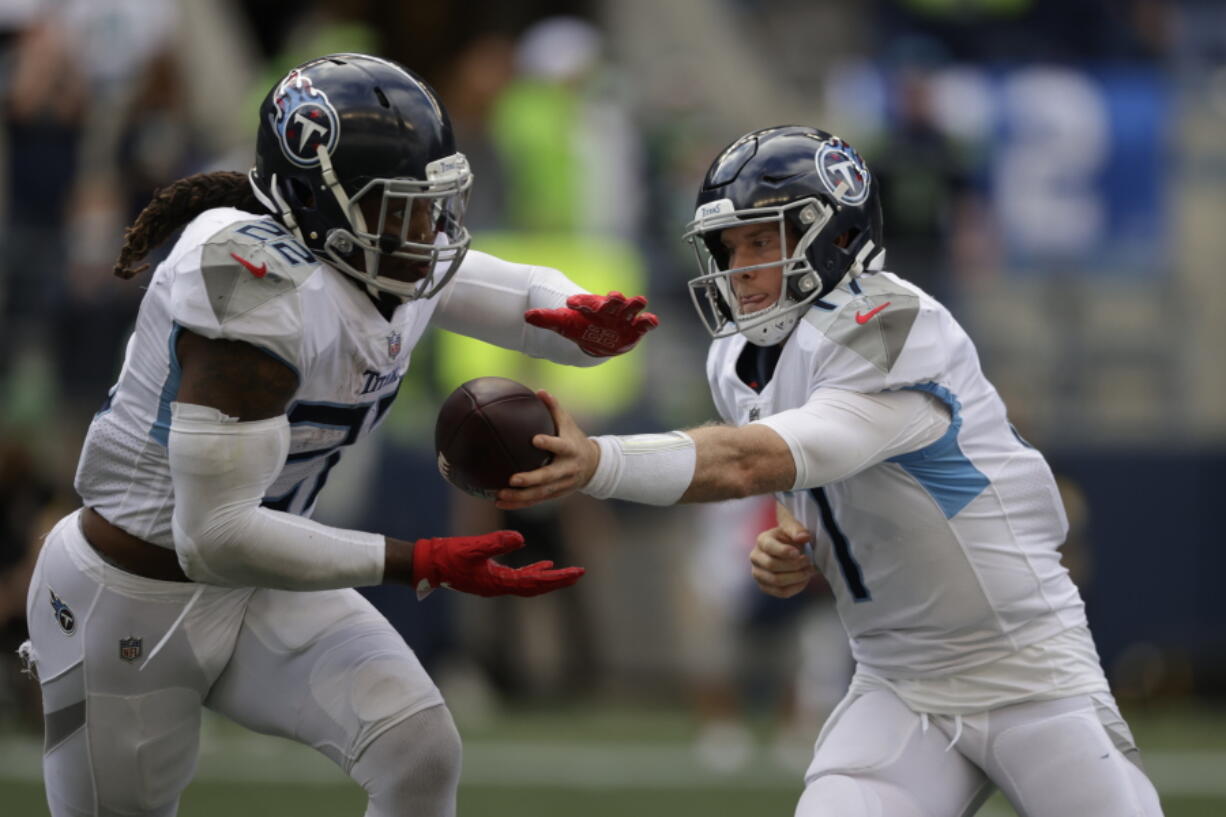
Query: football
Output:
(484,434)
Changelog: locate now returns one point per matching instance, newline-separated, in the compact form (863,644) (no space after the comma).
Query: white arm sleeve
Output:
(839,433)
(487,299)
(221,469)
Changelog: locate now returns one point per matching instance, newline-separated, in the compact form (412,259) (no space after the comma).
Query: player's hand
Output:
(779,564)
(601,325)
(575,457)
(466,563)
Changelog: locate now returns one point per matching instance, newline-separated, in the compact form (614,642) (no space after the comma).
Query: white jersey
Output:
(238,276)
(942,559)
(348,358)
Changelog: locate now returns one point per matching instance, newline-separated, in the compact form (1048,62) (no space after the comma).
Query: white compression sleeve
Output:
(838,433)
(221,469)
(487,299)
(654,469)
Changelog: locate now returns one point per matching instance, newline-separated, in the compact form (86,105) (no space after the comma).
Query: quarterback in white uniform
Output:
(859,401)
(275,334)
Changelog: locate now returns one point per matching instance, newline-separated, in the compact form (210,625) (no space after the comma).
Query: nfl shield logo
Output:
(130,648)
(393,344)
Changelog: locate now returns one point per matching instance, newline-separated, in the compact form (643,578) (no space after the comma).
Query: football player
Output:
(275,334)
(859,402)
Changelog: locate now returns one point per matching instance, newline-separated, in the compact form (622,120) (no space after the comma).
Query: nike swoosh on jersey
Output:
(262,269)
(868,316)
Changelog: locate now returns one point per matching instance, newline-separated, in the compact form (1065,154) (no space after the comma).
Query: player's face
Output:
(421,230)
(751,246)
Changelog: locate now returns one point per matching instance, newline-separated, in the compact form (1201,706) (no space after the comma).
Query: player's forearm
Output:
(738,461)
(707,464)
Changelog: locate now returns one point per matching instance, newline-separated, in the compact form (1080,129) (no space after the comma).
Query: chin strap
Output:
(352,214)
(334,187)
(859,265)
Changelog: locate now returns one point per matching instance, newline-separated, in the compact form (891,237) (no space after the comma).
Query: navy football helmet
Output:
(810,183)
(356,156)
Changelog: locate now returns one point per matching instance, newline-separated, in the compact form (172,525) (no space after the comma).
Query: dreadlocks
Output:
(174,206)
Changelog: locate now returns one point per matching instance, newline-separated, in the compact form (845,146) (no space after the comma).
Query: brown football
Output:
(484,434)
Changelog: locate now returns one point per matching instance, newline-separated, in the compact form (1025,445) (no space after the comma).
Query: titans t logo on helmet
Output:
(305,120)
(842,171)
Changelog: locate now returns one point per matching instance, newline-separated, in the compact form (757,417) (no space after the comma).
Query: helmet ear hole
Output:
(302,193)
(716,247)
(847,239)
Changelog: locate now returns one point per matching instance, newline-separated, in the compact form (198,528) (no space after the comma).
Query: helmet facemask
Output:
(712,291)
(418,221)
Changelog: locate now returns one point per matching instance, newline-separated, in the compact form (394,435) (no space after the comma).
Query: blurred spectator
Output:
(573,158)
(1056,30)
(473,84)
(926,192)
(90,89)
(749,656)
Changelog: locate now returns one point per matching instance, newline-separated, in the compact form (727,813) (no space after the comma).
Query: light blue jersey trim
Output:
(941,468)
(160,432)
(107,403)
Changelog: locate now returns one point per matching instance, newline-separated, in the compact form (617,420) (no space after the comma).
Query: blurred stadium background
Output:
(1054,170)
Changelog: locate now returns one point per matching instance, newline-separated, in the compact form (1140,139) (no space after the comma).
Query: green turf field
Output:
(612,762)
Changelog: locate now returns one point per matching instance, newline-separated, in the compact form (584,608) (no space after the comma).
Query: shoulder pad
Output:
(874,323)
(248,263)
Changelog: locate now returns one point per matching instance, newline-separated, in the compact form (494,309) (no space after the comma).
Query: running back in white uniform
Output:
(219,456)
(324,668)
(349,359)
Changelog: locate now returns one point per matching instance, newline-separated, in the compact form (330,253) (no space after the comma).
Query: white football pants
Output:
(122,725)
(1070,756)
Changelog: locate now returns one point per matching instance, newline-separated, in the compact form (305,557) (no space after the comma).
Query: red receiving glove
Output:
(601,325)
(466,563)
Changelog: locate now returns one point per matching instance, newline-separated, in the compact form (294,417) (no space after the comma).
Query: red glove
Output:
(465,563)
(601,325)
